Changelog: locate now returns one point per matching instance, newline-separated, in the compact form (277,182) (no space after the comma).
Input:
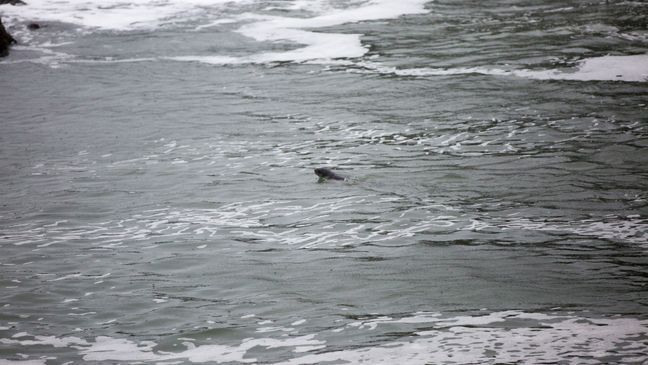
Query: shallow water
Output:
(159,204)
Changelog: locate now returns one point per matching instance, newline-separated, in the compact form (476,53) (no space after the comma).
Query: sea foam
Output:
(630,68)
(509,336)
(315,45)
(114,14)
(306,35)
(118,15)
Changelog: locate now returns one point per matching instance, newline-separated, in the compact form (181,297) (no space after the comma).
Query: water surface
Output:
(159,203)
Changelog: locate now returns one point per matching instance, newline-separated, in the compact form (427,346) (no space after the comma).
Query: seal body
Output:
(327,174)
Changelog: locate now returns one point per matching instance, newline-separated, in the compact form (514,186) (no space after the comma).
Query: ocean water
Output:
(158,202)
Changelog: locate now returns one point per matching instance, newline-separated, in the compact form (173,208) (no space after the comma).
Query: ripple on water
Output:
(334,222)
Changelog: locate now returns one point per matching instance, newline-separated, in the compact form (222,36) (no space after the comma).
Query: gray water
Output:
(162,211)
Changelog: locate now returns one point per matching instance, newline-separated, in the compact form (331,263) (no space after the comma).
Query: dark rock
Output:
(5,40)
(33,26)
(12,2)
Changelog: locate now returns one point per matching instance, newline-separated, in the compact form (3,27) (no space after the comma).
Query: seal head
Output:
(326,174)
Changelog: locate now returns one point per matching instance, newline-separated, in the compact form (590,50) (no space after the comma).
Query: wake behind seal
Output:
(326,174)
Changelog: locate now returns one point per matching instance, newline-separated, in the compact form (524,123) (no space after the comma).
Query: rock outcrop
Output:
(5,40)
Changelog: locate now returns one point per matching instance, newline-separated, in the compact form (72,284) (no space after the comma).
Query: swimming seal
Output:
(326,174)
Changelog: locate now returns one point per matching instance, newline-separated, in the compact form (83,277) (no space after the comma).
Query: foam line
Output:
(509,336)
(632,68)
(321,46)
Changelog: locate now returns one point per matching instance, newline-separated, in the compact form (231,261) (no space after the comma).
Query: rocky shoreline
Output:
(6,39)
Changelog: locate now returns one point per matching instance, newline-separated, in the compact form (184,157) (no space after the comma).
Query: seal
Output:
(326,174)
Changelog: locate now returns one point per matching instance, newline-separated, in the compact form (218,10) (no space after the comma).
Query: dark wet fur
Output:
(327,174)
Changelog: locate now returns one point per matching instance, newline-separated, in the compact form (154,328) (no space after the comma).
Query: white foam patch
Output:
(496,337)
(105,348)
(311,45)
(114,14)
(46,341)
(316,46)
(504,337)
(607,68)
(632,68)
